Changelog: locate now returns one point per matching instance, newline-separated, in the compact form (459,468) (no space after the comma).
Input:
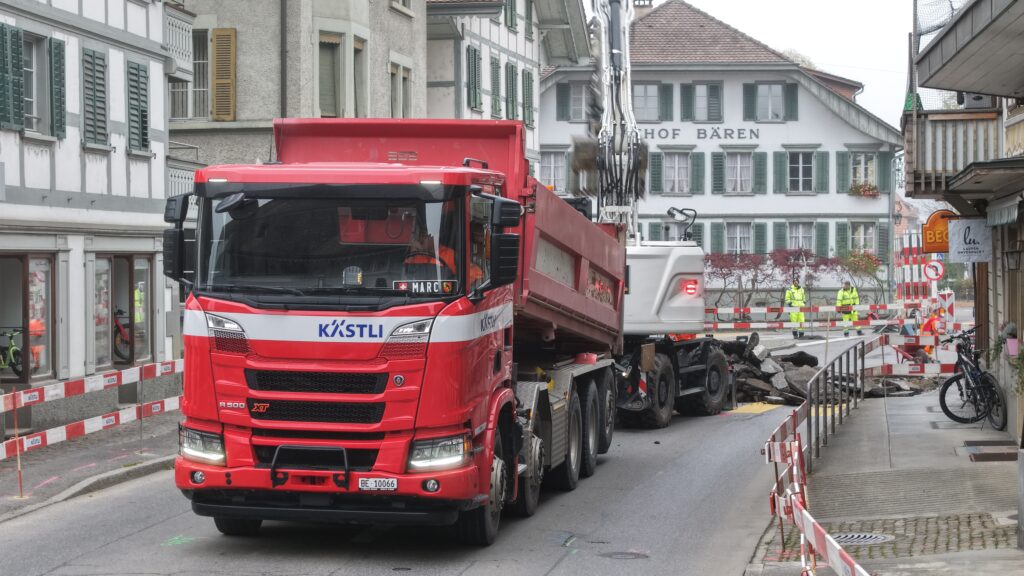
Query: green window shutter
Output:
(58,96)
(717,237)
(760,238)
(570,175)
(12,80)
(780,172)
(842,239)
(6,79)
(562,95)
(697,233)
(883,243)
(665,102)
(821,239)
(94,96)
(510,14)
(883,172)
(495,87)
(510,90)
(821,176)
(696,172)
(138,106)
(478,94)
(760,172)
(654,231)
(781,232)
(657,163)
(791,97)
(718,172)
(843,174)
(750,102)
(528,97)
(528,16)
(686,102)
(470,77)
(714,102)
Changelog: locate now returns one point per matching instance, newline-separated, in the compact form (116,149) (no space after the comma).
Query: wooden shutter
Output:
(222,71)
(478,98)
(717,237)
(842,239)
(94,96)
(750,102)
(563,93)
(12,79)
(528,98)
(821,175)
(654,231)
(696,172)
(686,102)
(780,172)
(843,172)
(697,233)
(882,246)
(760,172)
(510,14)
(329,71)
(883,172)
(528,17)
(510,90)
(58,94)
(760,238)
(714,102)
(657,167)
(781,232)
(821,239)
(665,102)
(138,106)
(718,172)
(495,87)
(790,96)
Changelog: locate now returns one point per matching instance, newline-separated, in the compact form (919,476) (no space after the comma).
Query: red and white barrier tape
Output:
(60,434)
(822,543)
(821,324)
(840,309)
(910,370)
(95,383)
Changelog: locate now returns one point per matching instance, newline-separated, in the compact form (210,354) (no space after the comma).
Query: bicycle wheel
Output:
(996,401)
(15,363)
(958,400)
(122,347)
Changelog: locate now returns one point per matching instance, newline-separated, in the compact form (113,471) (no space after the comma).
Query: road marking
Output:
(756,408)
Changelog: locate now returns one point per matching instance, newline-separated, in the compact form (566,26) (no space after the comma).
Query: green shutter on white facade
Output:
(94,96)
(528,98)
(656,162)
(791,101)
(821,239)
(562,95)
(654,231)
(717,237)
(842,239)
(697,233)
(843,172)
(58,95)
(718,172)
(511,18)
(138,106)
(12,79)
(511,81)
(883,242)
(780,172)
(750,102)
(685,102)
(665,102)
(780,230)
(697,172)
(495,87)
(760,238)
(821,175)
(760,172)
(883,172)
(714,102)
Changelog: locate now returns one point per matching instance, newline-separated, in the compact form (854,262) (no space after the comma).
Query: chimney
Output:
(641,8)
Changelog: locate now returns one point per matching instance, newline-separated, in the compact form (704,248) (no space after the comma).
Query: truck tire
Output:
(591,430)
(567,474)
(716,385)
(606,402)
(479,526)
(662,389)
(529,486)
(238,526)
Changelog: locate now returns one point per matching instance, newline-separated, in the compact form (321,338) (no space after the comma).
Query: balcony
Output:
(940,144)
(178,39)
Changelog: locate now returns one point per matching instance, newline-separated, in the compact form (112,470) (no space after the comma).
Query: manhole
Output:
(625,555)
(860,538)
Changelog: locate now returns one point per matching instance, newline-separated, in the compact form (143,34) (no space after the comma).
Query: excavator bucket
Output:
(585,151)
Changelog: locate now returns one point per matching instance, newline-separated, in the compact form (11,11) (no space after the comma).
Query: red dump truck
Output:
(392,323)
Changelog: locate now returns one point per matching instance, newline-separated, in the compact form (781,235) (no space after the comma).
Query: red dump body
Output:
(571,270)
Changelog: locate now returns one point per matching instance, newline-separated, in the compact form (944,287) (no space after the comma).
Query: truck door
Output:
(488,357)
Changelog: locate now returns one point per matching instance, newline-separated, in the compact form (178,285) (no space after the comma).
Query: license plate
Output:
(378,483)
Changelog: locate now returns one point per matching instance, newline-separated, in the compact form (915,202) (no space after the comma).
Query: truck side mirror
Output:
(505,213)
(176,209)
(175,212)
(504,259)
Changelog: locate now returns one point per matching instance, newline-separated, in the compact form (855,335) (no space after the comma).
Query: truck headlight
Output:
(201,446)
(221,323)
(413,331)
(440,453)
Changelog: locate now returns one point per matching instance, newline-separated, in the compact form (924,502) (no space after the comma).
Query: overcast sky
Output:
(865,40)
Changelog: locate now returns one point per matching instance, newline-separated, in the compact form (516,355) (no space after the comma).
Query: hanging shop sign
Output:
(970,240)
(935,232)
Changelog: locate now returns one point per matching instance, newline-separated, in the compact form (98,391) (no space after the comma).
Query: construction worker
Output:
(797,298)
(930,328)
(848,296)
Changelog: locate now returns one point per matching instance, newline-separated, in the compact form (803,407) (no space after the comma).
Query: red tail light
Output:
(689,287)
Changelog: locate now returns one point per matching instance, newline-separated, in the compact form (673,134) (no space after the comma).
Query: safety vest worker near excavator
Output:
(847,296)
(797,298)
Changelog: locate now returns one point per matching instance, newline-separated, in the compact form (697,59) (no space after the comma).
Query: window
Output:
(511,18)
(770,102)
(94,96)
(34,83)
(26,317)
(863,164)
(737,238)
(552,170)
(528,98)
(528,18)
(677,173)
(122,309)
(141,317)
(33,92)
(495,87)
(511,82)
(479,241)
(801,236)
(330,75)
(645,102)
(401,97)
(801,172)
(138,106)
(102,320)
(738,168)
(577,101)
(701,102)
(359,81)
(474,95)
(192,100)
(862,237)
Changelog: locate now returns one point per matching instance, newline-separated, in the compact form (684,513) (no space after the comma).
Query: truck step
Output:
(689,391)
(692,369)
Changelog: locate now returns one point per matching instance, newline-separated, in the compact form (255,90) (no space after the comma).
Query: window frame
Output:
(734,173)
(795,242)
(706,84)
(550,174)
(869,165)
(872,227)
(40,84)
(789,171)
(27,377)
(676,180)
(657,101)
(583,99)
(739,238)
(782,101)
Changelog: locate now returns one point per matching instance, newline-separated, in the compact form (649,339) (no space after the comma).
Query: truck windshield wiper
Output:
(252,288)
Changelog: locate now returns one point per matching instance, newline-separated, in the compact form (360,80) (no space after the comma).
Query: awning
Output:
(1003,211)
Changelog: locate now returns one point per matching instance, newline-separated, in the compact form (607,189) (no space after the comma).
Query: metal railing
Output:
(178,37)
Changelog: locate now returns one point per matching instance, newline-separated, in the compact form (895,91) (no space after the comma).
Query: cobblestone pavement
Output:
(914,536)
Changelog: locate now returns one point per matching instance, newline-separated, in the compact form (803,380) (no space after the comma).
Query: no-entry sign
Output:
(934,270)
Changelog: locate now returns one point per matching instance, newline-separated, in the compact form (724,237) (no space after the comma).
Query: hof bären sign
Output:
(712,133)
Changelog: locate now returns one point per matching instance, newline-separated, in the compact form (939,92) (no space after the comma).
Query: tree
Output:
(799,58)
(763,277)
(862,269)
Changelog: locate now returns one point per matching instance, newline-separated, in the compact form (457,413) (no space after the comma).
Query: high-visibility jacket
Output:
(446,257)
(140,306)
(796,296)
(847,297)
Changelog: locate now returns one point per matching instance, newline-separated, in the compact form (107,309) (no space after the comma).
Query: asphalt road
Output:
(686,500)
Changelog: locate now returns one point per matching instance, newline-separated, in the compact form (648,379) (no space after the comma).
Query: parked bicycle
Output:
(122,338)
(971,394)
(10,355)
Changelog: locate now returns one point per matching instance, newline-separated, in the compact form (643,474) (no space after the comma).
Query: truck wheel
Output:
(479,526)
(662,389)
(238,526)
(606,403)
(529,487)
(717,385)
(567,475)
(591,430)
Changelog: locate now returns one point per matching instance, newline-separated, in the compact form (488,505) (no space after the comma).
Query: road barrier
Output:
(913,310)
(821,324)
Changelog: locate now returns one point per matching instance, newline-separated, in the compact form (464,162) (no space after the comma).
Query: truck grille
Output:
(228,341)
(358,459)
(326,382)
(316,434)
(300,411)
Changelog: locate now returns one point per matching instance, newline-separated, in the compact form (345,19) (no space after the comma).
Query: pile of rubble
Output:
(761,377)
(889,387)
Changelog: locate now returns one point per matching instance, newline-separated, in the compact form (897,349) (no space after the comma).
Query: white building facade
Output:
(766,152)
(83,156)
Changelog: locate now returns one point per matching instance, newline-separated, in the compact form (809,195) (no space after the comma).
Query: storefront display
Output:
(101,312)
(39,316)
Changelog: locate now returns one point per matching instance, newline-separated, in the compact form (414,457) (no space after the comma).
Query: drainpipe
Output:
(284,58)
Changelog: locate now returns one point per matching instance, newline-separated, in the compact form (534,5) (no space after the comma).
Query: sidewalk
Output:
(900,471)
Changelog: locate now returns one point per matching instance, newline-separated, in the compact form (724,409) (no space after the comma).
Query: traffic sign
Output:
(934,270)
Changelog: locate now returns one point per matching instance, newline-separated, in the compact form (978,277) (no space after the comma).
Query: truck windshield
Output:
(312,246)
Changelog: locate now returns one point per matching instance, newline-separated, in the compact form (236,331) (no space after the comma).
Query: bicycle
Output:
(122,340)
(10,355)
(971,394)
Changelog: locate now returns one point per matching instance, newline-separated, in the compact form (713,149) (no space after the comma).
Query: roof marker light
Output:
(217,180)
(430,182)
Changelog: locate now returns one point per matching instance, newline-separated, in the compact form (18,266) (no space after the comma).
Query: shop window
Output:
(12,299)
(102,320)
(123,310)
(26,317)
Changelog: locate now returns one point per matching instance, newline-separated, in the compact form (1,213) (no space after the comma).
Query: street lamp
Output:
(1012,257)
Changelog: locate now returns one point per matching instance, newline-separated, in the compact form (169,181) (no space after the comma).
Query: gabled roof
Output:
(677,33)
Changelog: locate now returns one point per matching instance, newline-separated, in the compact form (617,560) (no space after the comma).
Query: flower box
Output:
(864,190)
(1012,347)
